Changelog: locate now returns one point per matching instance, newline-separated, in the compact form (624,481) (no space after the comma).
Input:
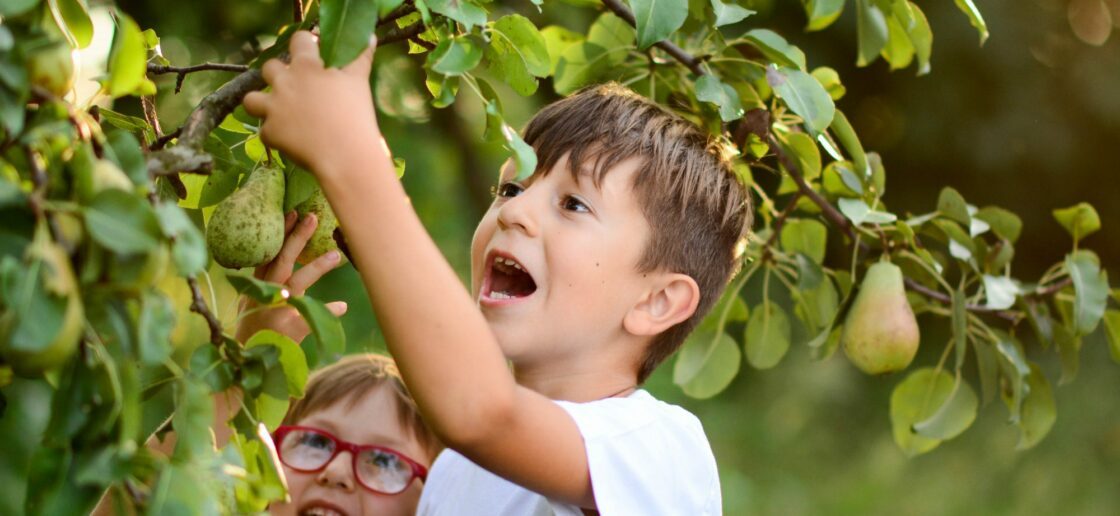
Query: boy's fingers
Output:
(293,245)
(304,46)
(307,275)
(256,104)
(338,308)
(271,70)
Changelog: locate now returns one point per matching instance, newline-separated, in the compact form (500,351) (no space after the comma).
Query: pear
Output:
(51,66)
(247,228)
(42,331)
(322,241)
(881,334)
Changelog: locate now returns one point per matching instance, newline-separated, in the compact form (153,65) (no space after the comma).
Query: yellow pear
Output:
(880,333)
(322,241)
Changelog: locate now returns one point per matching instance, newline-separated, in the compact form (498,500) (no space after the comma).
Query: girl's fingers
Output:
(263,271)
(272,69)
(307,275)
(281,268)
(256,104)
(338,308)
(289,222)
(364,62)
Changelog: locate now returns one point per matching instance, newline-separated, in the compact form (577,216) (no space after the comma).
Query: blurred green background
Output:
(1030,122)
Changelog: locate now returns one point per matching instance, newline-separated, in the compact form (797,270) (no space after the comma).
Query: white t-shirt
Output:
(646,457)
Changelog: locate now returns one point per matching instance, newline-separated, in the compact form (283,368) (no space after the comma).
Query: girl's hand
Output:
(314,113)
(285,319)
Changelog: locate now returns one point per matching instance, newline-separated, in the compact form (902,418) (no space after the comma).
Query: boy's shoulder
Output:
(638,412)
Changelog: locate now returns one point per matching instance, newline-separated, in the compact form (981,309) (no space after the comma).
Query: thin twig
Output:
(297,11)
(778,222)
(181,72)
(198,306)
(394,35)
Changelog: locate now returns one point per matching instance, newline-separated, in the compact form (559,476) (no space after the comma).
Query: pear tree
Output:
(119,229)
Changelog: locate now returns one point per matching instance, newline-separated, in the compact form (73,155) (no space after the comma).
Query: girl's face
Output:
(334,490)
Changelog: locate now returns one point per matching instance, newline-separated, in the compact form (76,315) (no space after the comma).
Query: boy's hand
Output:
(286,320)
(314,113)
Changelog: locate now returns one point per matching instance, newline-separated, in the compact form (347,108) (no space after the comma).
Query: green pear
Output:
(42,332)
(881,334)
(51,66)
(322,241)
(247,228)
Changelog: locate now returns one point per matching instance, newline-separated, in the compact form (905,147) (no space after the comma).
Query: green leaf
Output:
(806,236)
(657,19)
(1080,220)
(775,48)
(127,154)
(822,13)
(872,31)
(898,51)
(291,359)
(848,139)
(1112,331)
(921,37)
(299,186)
(345,27)
(581,64)
(1004,223)
(707,363)
(830,79)
(77,20)
(208,365)
(189,248)
(1038,412)
(611,32)
(710,89)
(818,301)
(123,222)
(767,336)
(384,7)
(808,156)
(954,416)
(988,369)
(455,56)
(157,319)
(1000,292)
(193,414)
(327,327)
(261,291)
(518,53)
(127,61)
(1015,369)
(16,7)
(1069,351)
(728,13)
(462,11)
(1090,286)
(974,17)
(859,212)
(804,96)
(951,204)
(916,399)
(557,40)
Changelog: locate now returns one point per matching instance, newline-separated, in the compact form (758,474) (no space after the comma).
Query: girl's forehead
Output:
(370,417)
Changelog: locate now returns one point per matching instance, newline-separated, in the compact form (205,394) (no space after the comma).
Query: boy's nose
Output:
(338,473)
(516,213)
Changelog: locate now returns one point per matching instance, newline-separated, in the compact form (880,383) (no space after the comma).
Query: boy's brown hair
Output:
(351,378)
(697,208)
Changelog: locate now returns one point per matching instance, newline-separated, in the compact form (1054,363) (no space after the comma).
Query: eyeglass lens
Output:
(379,470)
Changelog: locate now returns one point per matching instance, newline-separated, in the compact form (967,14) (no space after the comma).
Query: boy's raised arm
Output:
(450,360)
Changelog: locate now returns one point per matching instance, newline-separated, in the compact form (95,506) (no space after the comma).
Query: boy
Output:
(585,276)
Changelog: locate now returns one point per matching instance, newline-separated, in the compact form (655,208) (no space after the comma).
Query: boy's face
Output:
(370,420)
(574,250)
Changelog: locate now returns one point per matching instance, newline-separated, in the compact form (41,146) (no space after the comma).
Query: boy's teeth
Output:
(500,295)
(510,263)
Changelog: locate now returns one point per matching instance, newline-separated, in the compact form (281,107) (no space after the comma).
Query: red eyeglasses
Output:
(377,468)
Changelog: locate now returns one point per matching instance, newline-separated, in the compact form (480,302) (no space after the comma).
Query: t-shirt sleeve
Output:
(647,457)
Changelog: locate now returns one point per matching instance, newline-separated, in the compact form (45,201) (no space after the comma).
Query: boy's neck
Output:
(578,384)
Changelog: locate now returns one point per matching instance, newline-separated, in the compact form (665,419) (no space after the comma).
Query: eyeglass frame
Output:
(418,470)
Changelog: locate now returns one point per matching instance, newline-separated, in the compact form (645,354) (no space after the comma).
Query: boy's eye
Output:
(571,203)
(508,190)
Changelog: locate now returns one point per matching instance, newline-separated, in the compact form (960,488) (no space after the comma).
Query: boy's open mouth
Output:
(507,279)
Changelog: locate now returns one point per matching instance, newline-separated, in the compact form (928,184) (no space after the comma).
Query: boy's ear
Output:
(670,300)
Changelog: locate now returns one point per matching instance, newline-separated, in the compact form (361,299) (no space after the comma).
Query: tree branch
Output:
(394,35)
(181,72)
(297,11)
(400,12)
(198,306)
(690,61)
